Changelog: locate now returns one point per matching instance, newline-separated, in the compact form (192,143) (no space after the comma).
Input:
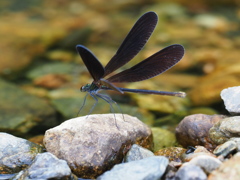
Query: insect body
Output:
(132,44)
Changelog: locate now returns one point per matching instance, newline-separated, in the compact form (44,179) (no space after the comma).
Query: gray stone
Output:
(46,166)
(190,172)
(207,163)
(231,97)
(225,129)
(151,168)
(16,153)
(137,152)
(237,141)
(225,148)
(95,143)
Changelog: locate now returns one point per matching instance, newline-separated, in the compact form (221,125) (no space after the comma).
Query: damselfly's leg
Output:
(112,101)
(84,101)
(109,101)
(93,94)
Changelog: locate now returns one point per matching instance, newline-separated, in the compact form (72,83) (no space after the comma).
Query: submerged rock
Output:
(95,143)
(16,153)
(22,112)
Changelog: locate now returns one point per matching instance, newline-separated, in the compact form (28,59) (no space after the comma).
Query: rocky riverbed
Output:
(155,137)
(118,146)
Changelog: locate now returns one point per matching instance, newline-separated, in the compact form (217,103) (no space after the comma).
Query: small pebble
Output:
(190,172)
(207,163)
(137,152)
(225,148)
(237,141)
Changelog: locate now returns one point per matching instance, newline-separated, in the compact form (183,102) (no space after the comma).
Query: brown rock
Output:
(193,130)
(172,153)
(95,143)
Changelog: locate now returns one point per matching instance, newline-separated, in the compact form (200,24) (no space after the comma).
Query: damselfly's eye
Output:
(82,89)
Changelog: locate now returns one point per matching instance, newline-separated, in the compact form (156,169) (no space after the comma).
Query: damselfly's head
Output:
(85,88)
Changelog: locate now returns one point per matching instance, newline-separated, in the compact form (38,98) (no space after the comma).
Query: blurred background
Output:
(41,72)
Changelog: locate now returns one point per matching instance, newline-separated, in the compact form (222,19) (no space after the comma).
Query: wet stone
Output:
(193,130)
(46,166)
(137,152)
(16,153)
(94,144)
(190,172)
(225,129)
(225,149)
(151,168)
(231,97)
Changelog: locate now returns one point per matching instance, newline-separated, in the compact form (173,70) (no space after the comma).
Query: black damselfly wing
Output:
(152,66)
(134,42)
(94,67)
